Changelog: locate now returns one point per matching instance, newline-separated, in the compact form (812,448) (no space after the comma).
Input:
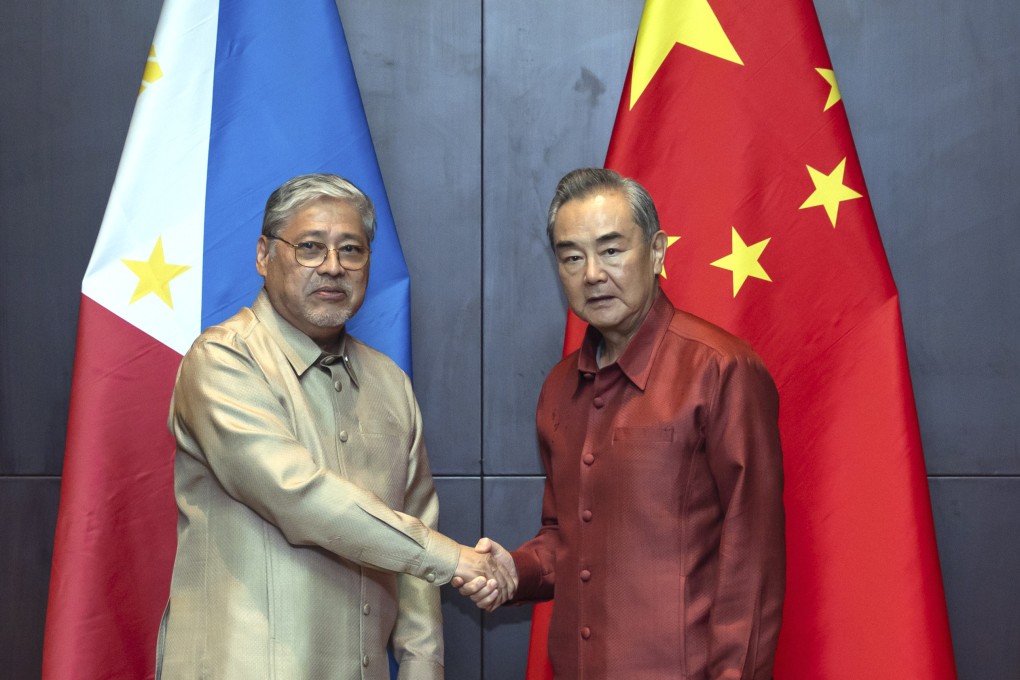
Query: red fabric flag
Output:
(731,118)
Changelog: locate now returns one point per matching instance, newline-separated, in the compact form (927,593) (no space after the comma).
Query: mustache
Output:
(326,283)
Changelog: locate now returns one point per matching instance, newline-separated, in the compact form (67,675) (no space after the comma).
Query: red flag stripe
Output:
(113,499)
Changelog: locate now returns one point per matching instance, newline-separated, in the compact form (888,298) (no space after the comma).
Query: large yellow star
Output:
(666,23)
(743,261)
(829,191)
(670,240)
(830,78)
(154,275)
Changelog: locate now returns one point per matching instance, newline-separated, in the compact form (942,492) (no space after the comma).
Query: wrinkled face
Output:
(606,267)
(318,301)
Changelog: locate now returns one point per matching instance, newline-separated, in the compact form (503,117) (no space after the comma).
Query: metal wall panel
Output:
(977,521)
(419,70)
(459,518)
(29,509)
(513,509)
(553,75)
(70,77)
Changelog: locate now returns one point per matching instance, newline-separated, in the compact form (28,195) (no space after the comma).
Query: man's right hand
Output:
(498,581)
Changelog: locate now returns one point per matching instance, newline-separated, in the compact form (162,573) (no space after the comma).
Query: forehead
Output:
(325,217)
(594,217)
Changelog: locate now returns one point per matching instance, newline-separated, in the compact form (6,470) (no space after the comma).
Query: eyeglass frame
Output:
(325,256)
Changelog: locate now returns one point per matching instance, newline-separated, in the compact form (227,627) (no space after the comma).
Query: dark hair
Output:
(585,182)
(296,193)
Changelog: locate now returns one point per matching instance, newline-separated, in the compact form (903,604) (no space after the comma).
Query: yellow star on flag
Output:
(670,240)
(830,78)
(743,261)
(665,23)
(829,191)
(154,275)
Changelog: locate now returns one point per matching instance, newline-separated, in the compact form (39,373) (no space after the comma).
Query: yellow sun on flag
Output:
(154,275)
(152,71)
(743,261)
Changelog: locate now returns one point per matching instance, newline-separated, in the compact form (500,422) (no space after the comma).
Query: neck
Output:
(615,343)
(611,350)
(331,344)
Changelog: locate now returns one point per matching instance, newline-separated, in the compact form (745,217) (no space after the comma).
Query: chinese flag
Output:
(731,118)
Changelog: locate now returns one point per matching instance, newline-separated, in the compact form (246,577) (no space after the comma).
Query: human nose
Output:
(594,272)
(331,263)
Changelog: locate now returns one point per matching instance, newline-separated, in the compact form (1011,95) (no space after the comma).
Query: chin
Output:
(335,319)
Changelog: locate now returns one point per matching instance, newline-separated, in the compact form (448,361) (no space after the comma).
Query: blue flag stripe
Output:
(286,102)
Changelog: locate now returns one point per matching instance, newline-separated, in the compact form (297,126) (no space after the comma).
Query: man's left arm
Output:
(418,634)
(744,453)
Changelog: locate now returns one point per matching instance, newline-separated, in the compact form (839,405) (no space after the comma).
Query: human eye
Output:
(351,249)
(571,262)
(611,253)
(311,247)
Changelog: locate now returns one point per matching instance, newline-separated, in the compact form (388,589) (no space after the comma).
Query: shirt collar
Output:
(637,359)
(300,350)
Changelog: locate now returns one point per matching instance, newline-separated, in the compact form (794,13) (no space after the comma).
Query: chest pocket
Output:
(378,458)
(647,468)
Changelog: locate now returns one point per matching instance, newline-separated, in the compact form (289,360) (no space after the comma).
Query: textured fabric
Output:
(299,477)
(662,520)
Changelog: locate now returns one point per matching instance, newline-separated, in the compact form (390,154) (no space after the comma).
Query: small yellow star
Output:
(670,240)
(829,191)
(830,78)
(665,23)
(154,275)
(743,261)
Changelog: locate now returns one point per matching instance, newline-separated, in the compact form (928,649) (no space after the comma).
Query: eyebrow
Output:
(604,238)
(320,234)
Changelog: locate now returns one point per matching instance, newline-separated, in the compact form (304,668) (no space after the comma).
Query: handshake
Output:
(486,574)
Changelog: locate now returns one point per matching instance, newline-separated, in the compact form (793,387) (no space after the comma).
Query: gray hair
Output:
(585,182)
(296,193)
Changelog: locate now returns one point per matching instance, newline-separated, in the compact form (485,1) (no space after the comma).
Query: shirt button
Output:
(338,386)
(430,577)
(585,575)
(589,376)
(366,610)
(586,515)
(364,660)
(343,435)
(586,632)
(598,402)
(588,459)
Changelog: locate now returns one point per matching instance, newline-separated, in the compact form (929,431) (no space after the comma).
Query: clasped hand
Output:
(486,574)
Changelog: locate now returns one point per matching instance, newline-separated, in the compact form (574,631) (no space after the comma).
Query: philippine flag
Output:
(237,97)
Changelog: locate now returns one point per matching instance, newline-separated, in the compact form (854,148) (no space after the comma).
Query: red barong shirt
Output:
(662,520)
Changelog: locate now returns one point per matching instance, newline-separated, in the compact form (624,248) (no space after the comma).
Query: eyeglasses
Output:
(351,256)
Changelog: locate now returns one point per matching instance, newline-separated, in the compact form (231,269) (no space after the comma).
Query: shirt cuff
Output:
(530,581)
(442,554)
(420,669)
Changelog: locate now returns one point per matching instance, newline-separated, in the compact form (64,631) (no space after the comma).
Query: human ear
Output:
(261,255)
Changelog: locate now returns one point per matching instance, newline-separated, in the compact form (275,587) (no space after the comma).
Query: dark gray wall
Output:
(476,110)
